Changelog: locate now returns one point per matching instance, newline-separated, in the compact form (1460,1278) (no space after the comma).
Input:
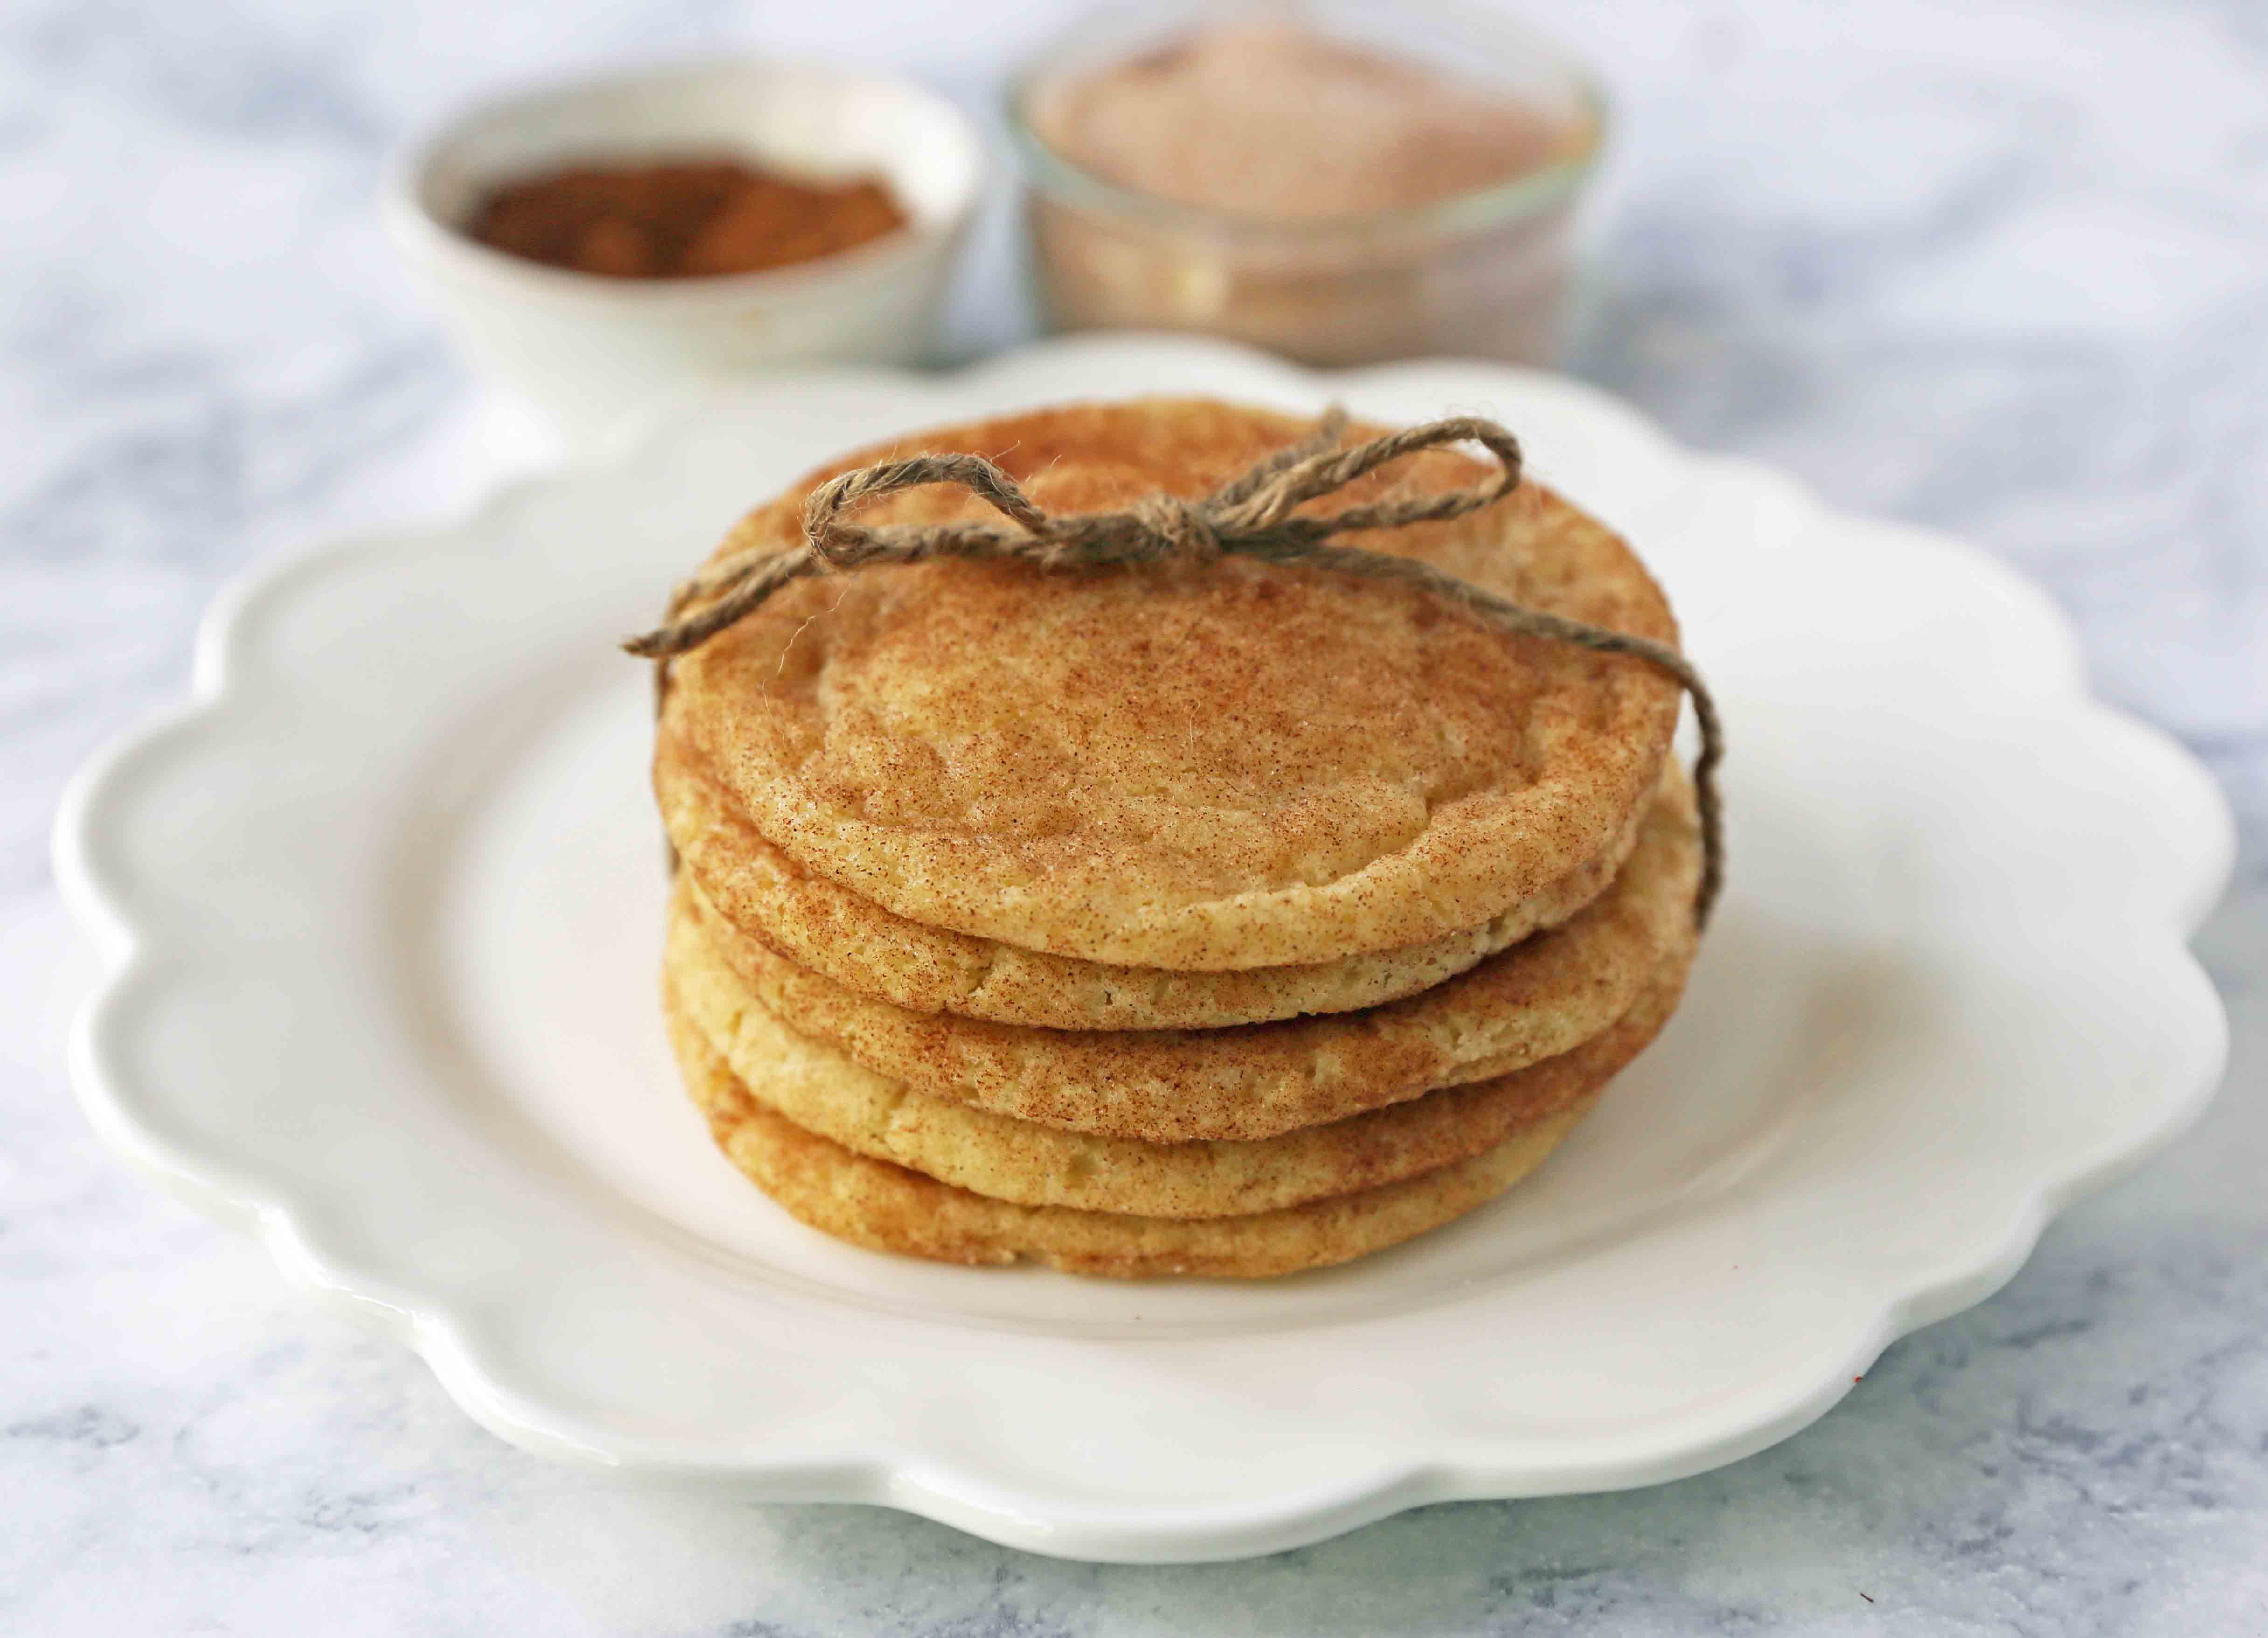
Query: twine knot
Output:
(1255,514)
(1180,526)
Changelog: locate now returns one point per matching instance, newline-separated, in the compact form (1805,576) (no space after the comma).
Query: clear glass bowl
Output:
(1490,273)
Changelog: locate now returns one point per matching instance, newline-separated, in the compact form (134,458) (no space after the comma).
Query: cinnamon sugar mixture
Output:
(682,219)
(1271,120)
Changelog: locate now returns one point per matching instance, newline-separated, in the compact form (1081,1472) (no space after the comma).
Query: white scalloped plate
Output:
(380,912)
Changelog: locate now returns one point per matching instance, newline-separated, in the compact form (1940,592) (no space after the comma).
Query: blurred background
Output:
(1999,267)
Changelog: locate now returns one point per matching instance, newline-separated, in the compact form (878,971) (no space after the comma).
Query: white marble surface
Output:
(2000,266)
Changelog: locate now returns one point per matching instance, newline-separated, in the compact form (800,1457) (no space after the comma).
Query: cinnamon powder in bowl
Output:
(1343,183)
(682,218)
(605,246)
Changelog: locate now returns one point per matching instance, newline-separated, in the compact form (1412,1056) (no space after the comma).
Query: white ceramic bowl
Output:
(590,349)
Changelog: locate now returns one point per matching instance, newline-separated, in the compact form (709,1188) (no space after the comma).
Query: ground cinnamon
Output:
(681,219)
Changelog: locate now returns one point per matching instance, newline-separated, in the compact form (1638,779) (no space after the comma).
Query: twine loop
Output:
(1253,515)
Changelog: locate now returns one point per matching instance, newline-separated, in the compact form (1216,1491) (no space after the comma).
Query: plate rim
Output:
(1146,1531)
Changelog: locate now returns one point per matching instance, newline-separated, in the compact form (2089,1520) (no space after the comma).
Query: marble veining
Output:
(1997,266)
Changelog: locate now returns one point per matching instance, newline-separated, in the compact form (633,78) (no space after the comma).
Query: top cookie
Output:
(1199,769)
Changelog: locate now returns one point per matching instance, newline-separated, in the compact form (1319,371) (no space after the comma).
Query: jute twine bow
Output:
(1250,516)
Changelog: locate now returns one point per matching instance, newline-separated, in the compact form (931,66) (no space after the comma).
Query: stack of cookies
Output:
(1225,918)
